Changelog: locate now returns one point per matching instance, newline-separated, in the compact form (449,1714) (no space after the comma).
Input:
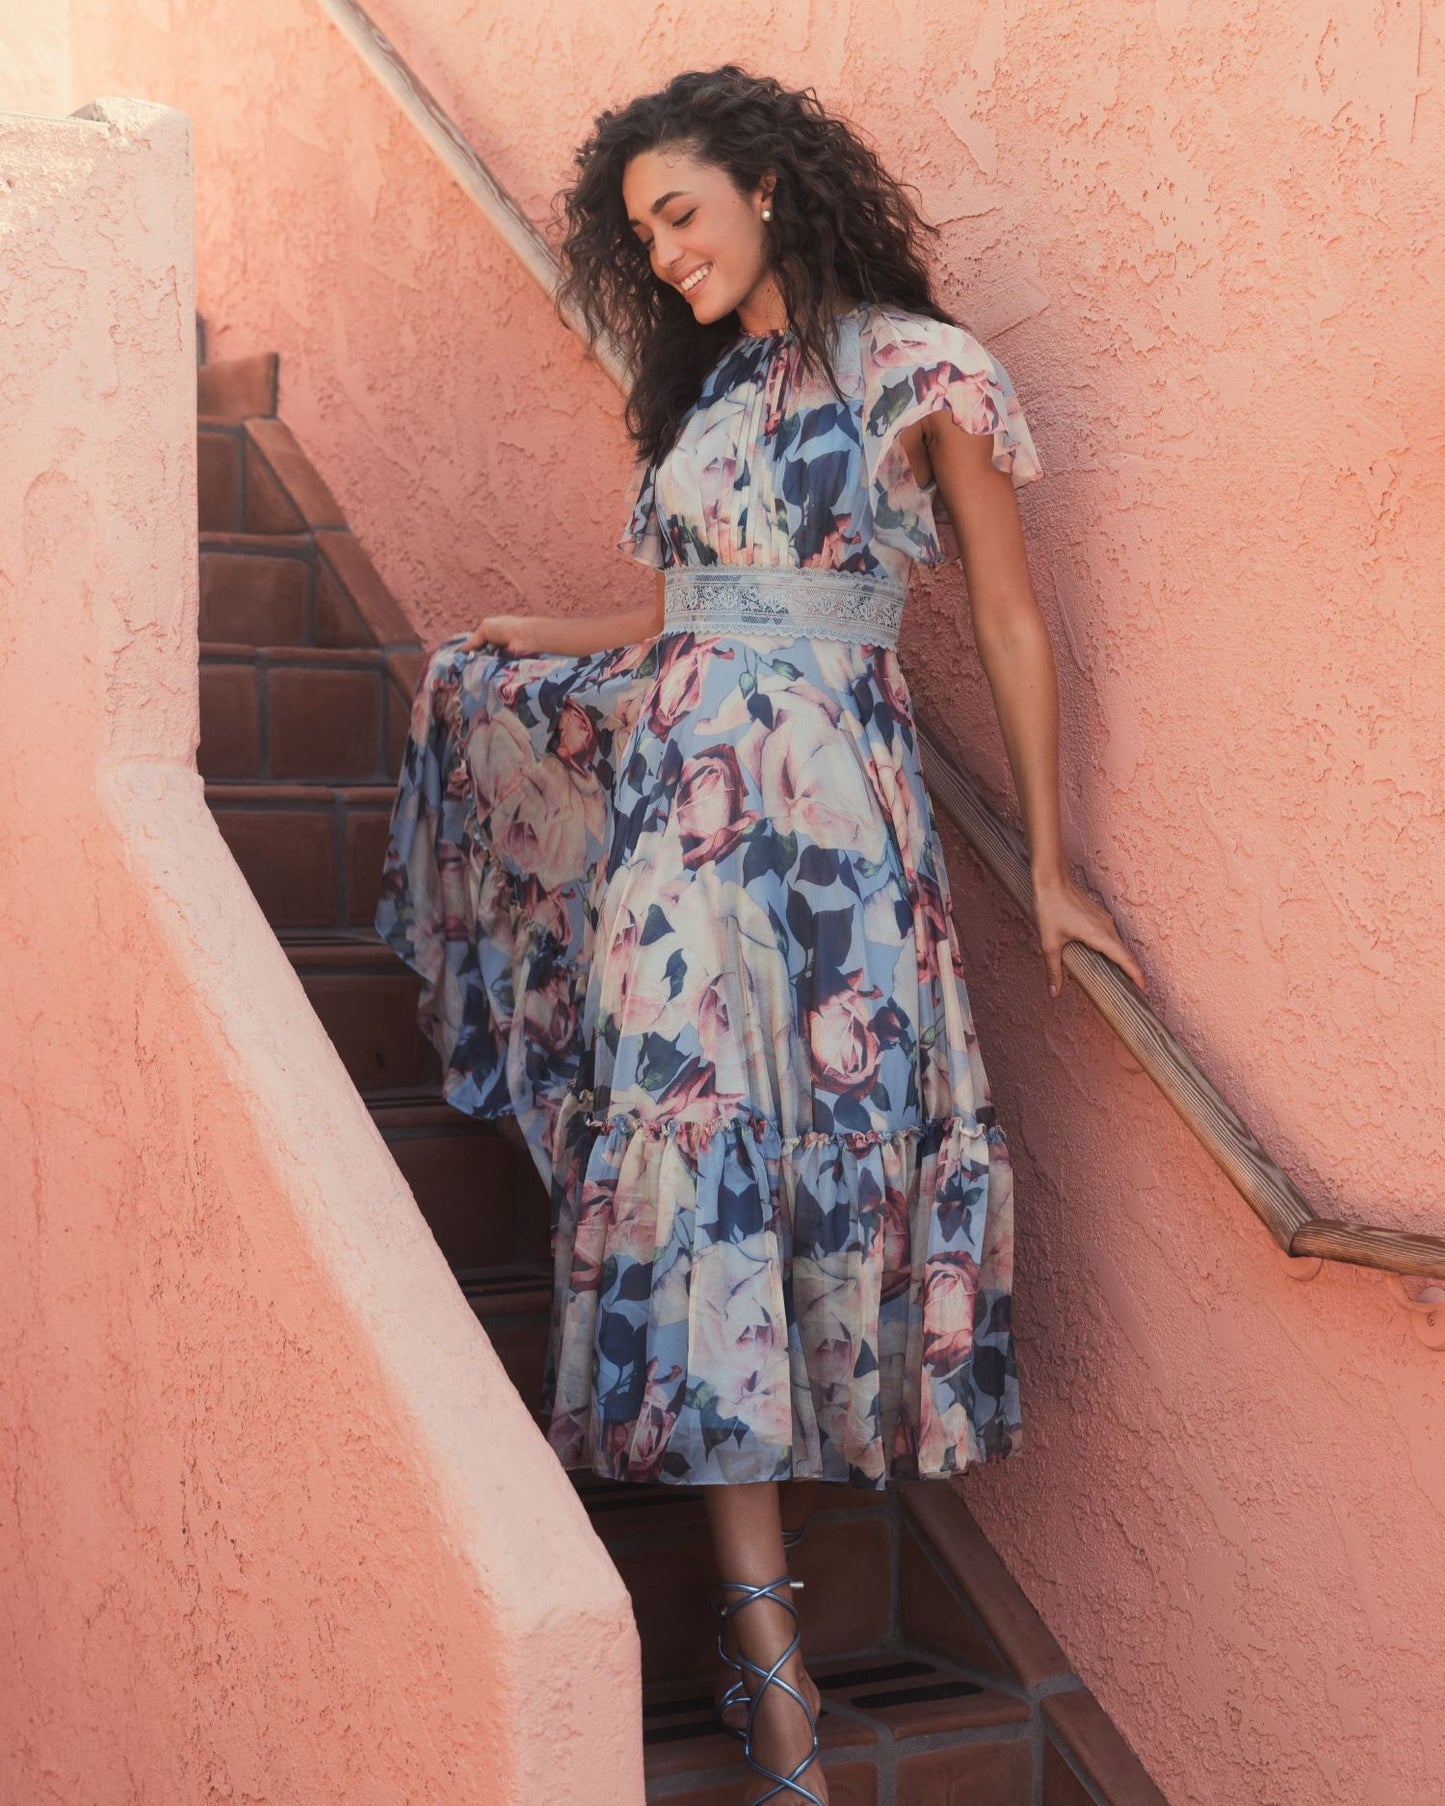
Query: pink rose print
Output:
(694,1100)
(811,780)
(677,689)
(644,1448)
(844,1049)
(551,1014)
(452,892)
(542,823)
(498,754)
(709,808)
(576,737)
(740,1338)
(897,1243)
(442,695)
(892,685)
(949,1288)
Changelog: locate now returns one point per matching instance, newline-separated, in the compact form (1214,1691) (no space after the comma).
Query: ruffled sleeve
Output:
(642,537)
(914,366)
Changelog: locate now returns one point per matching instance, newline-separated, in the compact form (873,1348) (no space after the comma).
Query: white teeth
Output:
(690,282)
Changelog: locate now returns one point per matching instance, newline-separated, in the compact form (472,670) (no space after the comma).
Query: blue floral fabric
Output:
(681,906)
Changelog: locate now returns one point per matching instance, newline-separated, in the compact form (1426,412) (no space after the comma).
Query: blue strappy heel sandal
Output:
(736,1692)
(789,1783)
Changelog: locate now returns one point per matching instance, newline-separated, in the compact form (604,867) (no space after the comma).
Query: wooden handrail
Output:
(1268,1191)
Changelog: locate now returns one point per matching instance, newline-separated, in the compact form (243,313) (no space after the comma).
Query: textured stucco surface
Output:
(275,1525)
(1207,245)
(35,56)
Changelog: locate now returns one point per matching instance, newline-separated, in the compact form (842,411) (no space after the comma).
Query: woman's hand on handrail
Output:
(1063,912)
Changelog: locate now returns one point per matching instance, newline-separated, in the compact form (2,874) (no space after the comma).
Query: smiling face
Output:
(704,237)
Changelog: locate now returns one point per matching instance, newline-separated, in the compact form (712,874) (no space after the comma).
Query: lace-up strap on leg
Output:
(789,1783)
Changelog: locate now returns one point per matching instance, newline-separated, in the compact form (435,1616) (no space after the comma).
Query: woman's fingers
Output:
(1109,944)
(513,633)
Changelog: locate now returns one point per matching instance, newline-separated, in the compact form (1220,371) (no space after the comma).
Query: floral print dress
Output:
(681,906)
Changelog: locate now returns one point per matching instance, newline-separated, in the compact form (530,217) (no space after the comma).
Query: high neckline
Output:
(784,332)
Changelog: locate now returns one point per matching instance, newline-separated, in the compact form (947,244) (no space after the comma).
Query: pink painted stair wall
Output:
(276,1524)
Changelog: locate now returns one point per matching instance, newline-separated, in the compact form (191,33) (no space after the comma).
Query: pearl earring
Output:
(767,213)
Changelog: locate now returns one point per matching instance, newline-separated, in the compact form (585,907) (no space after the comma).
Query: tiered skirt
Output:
(681,907)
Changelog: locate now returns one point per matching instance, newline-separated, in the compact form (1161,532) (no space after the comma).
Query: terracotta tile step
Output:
(220,491)
(882,1721)
(318,714)
(945,1526)
(514,1311)
(288,656)
(845,1603)
(465,1184)
(850,1783)
(359,950)
(233,388)
(439,1146)
(420,1107)
(367,1001)
(1079,1725)
(259,545)
(257,591)
(522,1290)
(254,791)
(284,489)
(311,853)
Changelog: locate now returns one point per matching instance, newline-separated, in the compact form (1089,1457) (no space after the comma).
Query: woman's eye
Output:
(681,220)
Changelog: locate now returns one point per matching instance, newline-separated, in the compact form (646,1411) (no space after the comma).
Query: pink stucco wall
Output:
(1205,242)
(275,1524)
(35,56)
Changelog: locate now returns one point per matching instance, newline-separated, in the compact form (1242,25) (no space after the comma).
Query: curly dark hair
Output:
(842,229)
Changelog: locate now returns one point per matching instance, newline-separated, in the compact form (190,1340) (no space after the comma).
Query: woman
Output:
(674,882)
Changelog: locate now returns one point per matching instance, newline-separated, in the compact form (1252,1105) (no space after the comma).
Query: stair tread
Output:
(1101,1750)
(297,790)
(950,1530)
(218,539)
(340,948)
(361,658)
(522,1292)
(232,389)
(874,1697)
(393,1115)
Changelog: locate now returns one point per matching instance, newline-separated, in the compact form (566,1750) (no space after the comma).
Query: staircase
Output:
(941,1683)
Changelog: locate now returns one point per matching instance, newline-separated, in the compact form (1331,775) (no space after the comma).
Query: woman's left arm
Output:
(1018,660)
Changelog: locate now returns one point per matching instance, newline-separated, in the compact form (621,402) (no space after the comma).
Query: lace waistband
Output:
(781,604)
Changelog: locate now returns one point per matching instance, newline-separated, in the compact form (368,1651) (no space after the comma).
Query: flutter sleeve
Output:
(642,537)
(914,366)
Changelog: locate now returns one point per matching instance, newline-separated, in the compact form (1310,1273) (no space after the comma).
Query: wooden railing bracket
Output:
(1303,1266)
(1425,1301)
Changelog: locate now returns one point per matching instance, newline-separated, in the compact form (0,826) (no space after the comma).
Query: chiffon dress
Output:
(681,907)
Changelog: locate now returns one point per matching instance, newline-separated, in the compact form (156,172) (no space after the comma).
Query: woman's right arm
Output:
(572,635)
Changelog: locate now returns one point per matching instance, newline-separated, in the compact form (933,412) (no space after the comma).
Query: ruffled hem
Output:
(763,1129)
(734,1304)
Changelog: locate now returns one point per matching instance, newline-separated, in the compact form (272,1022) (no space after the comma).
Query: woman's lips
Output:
(693,288)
